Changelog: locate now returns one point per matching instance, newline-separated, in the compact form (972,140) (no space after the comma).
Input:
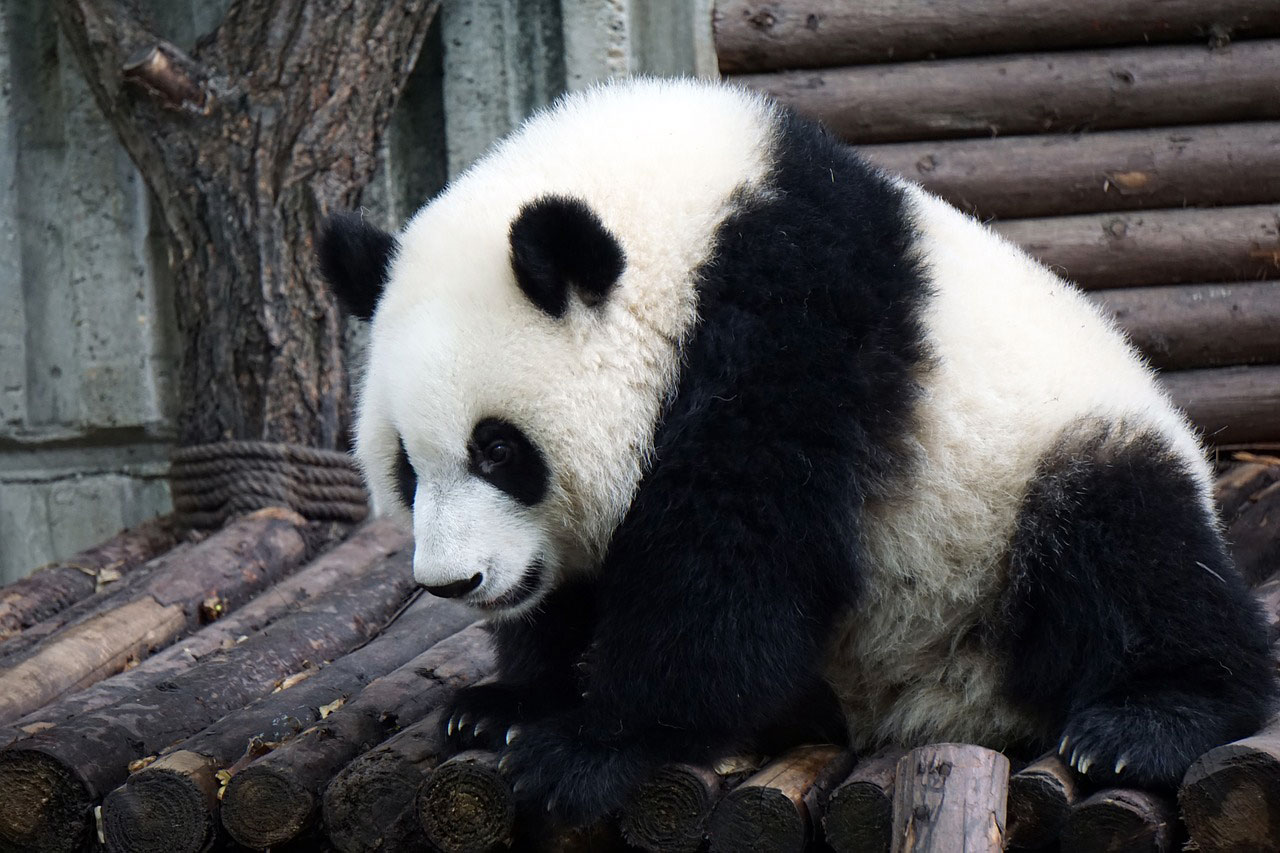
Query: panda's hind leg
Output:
(1126,627)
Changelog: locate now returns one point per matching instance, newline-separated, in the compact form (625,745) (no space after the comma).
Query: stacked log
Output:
(309,718)
(1129,145)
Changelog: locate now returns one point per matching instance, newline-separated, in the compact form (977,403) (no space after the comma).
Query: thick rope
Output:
(212,483)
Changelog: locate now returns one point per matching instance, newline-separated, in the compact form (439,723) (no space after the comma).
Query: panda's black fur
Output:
(1121,624)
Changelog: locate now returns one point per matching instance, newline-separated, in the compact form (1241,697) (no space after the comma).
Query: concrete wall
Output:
(86,327)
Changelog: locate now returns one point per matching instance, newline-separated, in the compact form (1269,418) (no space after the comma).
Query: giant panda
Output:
(721,428)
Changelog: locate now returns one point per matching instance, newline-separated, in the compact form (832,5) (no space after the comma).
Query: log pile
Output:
(1132,146)
(302,712)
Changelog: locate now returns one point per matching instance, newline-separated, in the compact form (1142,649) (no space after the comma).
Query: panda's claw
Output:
(1121,764)
(1063,744)
(513,732)
(453,725)
(1075,755)
(504,765)
(480,727)
(1085,764)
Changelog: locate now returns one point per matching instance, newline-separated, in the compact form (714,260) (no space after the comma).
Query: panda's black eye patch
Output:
(502,455)
(406,477)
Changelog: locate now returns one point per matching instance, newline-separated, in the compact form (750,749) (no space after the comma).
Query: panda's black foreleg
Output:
(1128,628)
(539,657)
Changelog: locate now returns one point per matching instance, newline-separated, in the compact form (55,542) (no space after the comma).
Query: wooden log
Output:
(760,36)
(1052,175)
(211,578)
(1230,797)
(1229,404)
(56,586)
(1251,523)
(950,797)
(371,805)
(1041,797)
(1155,246)
(859,814)
(276,799)
(1199,325)
(670,810)
(162,808)
(50,780)
(1240,484)
(465,806)
(359,555)
(1035,93)
(777,809)
(1120,820)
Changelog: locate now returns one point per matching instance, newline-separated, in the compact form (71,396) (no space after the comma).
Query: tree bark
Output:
(1036,93)
(163,806)
(1041,796)
(1057,174)
(50,781)
(756,36)
(776,809)
(50,589)
(1101,250)
(372,804)
(1200,325)
(268,126)
(1230,405)
(1119,820)
(202,583)
(1230,798)
(276,799)
(465,806)
(951,797)
(859,814)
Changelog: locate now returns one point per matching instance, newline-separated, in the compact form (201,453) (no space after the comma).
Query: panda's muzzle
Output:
(457,589)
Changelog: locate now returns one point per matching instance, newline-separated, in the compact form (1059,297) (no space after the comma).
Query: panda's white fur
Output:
(1017,374)
(455,339)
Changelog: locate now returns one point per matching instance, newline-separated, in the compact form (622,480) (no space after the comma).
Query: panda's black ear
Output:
(558,243)
(355,257)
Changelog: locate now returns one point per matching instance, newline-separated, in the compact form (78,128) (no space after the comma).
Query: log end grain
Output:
(1230,798)
(465,806)
(371,805)
(1040,800)
(1119,820)
(161,810)
(859,817)
(755,818)
(669,811)
(43,805)
(262,807)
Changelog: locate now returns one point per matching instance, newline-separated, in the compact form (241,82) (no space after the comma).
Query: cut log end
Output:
(670,810)
(371,804)
(1040,800)
(1120,821)
(44,806)
(262,808)
(758,819)
(1230,797)
(859,816)
(159,811)
(465,806)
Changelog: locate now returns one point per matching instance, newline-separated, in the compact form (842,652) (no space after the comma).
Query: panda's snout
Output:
(457,588)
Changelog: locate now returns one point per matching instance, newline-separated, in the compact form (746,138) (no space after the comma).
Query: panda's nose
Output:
(457,588)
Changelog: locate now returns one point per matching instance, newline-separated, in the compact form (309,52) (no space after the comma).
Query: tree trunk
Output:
(951,797)
(270,125)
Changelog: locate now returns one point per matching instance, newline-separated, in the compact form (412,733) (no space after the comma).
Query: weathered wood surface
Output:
(161,808)
(670,810)
(1036,93)
(1058,174)
(1119,820)
(950,797)
(50,589)
(371,805)
(1230,798)
(276,799)
(1230,405)
(761,36)
(1041,797)
(1249,498)
(771,811)
(465,806)
(1100,250)
(1199,325)
(50,781)
(201,583)
(360,554)
(859,813)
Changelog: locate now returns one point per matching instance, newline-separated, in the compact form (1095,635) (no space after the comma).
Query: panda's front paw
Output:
(482,716)
(561,771)
(1146,744)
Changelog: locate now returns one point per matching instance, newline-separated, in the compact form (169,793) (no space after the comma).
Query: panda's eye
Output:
(498,452)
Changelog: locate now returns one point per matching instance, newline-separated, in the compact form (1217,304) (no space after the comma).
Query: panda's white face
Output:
(459,343)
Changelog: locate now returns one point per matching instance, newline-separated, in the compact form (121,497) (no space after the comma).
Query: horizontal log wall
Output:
(1036,93)
(1049,175)
(1230,405)
(767,36)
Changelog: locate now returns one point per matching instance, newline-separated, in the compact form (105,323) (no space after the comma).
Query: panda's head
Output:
(526,328)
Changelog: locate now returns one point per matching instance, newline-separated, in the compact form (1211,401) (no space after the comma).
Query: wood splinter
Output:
(170,74)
